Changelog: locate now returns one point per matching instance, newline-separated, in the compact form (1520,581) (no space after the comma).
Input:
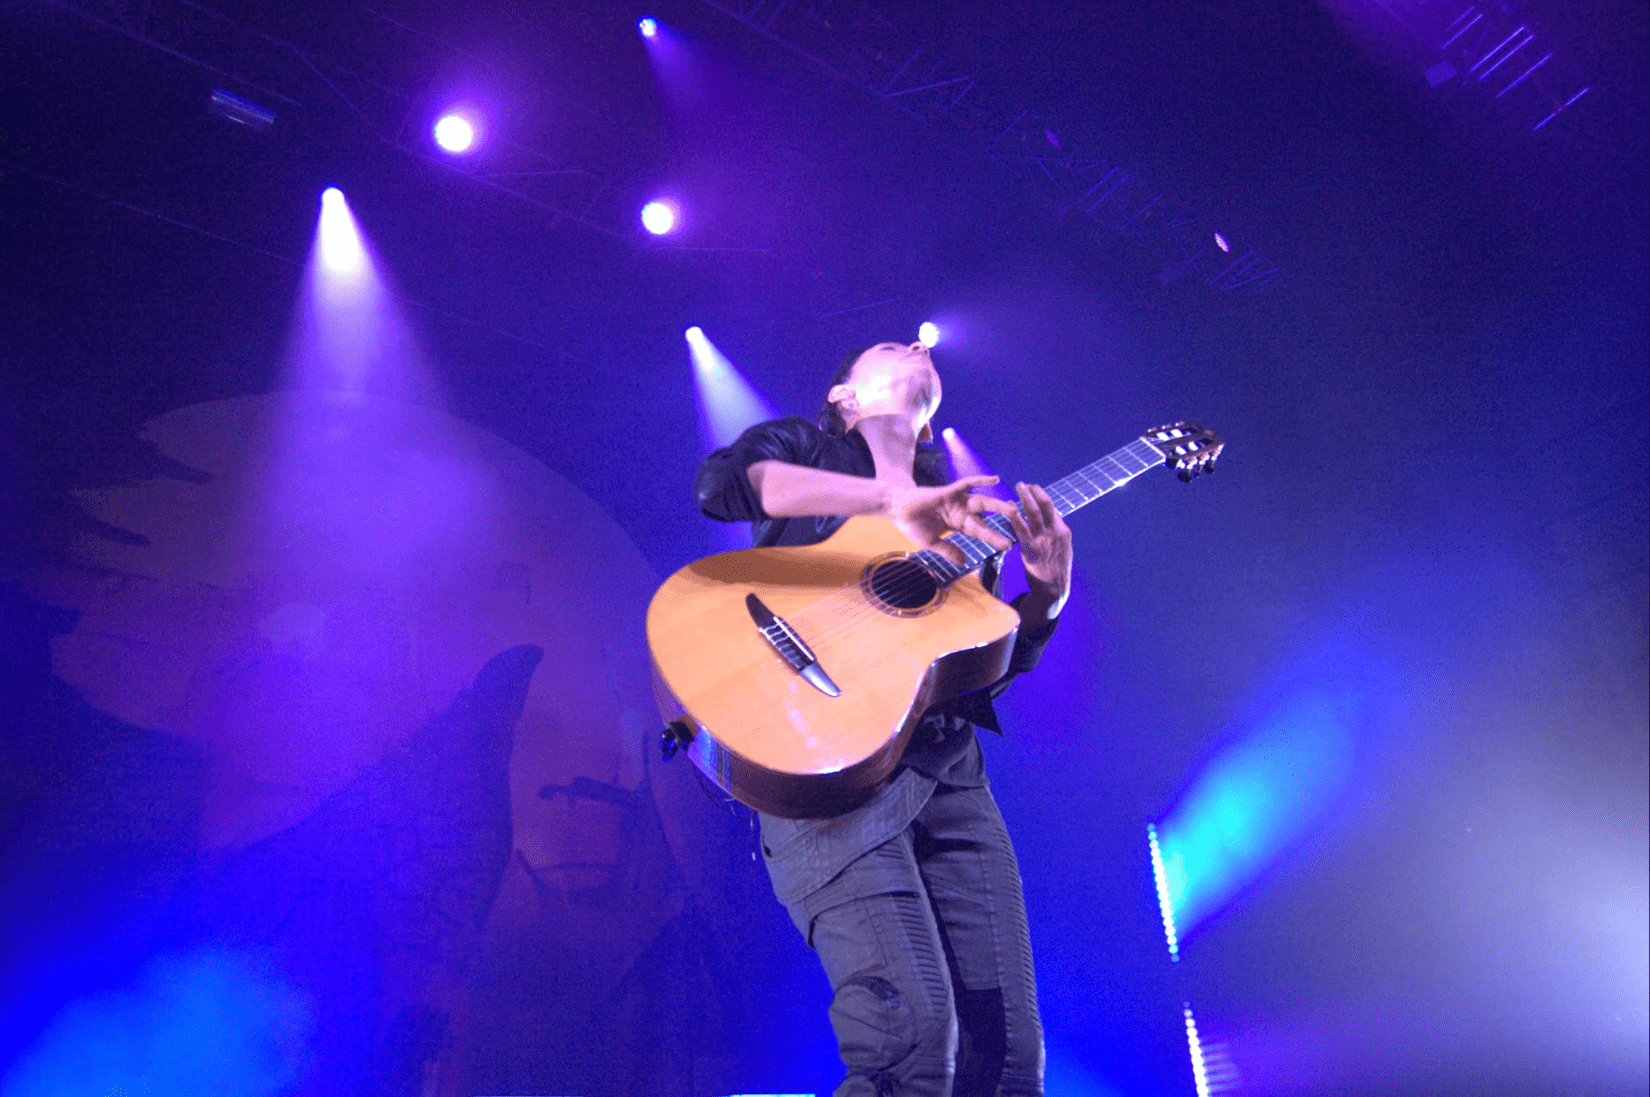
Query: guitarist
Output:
(912,901)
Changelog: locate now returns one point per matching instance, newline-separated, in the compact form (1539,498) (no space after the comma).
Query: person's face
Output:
(891,379)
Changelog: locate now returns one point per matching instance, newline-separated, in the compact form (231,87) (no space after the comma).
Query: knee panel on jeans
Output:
(878,1029)
(875,1026)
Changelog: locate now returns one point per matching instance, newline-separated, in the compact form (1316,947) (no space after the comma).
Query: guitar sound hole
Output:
(903,584)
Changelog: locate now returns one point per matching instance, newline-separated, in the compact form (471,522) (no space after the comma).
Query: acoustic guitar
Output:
(794,676)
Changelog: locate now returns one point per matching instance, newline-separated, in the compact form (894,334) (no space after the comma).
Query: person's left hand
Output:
(1045,546)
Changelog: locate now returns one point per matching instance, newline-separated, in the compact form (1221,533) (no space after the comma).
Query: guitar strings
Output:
(847,607)
(851,607)
(1067,498)
(894,592)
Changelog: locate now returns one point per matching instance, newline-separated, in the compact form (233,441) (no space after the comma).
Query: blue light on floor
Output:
(1250,802)
(203,1024)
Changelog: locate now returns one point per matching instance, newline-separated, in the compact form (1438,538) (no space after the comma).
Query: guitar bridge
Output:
(791,648)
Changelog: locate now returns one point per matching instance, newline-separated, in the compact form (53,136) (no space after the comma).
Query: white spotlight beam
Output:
(728,402)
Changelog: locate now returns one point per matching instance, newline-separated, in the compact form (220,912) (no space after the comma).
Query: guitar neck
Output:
(1070,493)
(1111,472)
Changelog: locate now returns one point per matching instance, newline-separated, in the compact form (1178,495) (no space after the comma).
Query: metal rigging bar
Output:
(859,45)
(573,188)
(1495,49)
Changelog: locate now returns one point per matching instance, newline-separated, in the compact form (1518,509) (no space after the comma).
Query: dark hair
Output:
(830,418)
(931,466)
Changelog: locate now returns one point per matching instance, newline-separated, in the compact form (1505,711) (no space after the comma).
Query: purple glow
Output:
(966,462)
(338,242)
(659,216)
(349,334)
(455,133)
(678,70)
(728,403)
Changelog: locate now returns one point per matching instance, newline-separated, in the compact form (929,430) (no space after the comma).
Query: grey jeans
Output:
(924,940)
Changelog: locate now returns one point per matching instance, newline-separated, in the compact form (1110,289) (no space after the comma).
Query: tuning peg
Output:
(1186,475)
(1209,466)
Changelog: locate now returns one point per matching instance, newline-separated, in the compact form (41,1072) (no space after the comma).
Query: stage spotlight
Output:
(728,402)
(1220,242)
(659,216)
(648,26)
(455,133)
(349,334)
(928,334)
(966,462)
(340,244)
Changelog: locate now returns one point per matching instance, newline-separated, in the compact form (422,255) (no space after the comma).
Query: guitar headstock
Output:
(1187,448)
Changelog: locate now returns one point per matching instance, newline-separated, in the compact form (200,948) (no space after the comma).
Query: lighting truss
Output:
(579,184)
(859,45)
(579,187)
(1493,48)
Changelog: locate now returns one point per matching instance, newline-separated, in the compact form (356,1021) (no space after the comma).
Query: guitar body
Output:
(769,735)
(797,674)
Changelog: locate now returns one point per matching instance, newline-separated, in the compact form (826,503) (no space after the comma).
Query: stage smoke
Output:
(727,402)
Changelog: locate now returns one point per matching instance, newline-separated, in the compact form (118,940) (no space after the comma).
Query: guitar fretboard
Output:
(1070,493)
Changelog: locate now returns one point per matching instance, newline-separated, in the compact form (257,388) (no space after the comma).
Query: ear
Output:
(927,433)
(841,394)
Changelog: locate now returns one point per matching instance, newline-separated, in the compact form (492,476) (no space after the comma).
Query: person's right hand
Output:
(926,515)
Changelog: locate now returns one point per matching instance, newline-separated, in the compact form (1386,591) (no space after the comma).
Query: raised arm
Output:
(924,514)
(797,491)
